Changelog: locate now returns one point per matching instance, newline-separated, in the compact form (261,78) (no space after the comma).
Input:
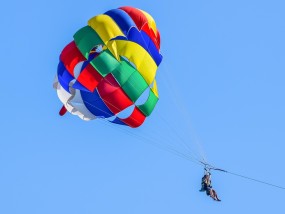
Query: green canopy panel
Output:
(135,86)
(105,63)
(123,72)
(86,39)
(149,105)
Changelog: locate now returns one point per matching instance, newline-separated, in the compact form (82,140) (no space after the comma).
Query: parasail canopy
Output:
(109,68)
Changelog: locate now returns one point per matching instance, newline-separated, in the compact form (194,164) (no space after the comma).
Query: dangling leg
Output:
(215,196)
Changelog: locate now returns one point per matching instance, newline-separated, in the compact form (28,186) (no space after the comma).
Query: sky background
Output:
(221,86)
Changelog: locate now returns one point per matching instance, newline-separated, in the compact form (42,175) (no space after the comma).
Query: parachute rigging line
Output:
(178,101)
(210,167)
(256,180)
(162,146)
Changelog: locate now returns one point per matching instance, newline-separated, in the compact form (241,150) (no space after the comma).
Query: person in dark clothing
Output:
(206,186)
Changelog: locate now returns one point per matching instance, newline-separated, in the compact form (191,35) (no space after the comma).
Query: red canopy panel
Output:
(113,95)
(89,77)
(141,22)
(137,16)
(71,56)
(135,119)
(108,85)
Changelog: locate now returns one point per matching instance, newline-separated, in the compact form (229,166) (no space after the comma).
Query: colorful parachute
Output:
(109,66)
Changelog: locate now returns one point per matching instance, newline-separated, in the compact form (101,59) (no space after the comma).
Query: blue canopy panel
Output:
(122,19)
(79,86)
(64,77)
(95,104)
(141,38)
(117,121)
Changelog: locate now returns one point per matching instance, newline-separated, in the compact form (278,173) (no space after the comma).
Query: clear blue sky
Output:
(225,59)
